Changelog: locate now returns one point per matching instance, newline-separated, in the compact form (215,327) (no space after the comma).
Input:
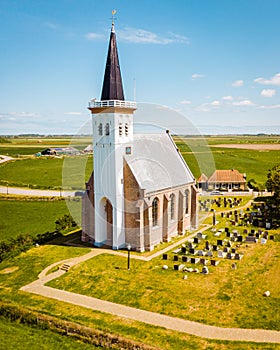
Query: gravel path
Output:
(172,323)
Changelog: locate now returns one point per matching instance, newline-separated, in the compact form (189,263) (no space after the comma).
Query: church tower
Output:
(112,120)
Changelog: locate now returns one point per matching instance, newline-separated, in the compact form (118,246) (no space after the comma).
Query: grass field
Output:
(30,216)
(47,172)
(73,172)
(25,268)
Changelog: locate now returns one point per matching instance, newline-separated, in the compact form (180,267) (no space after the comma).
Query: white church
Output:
(141,191)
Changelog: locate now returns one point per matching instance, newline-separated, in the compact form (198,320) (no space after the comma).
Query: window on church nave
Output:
(187,202)
(107,129)
(126,129)
(100,127)
(120,129)
(172,206)
(155,212)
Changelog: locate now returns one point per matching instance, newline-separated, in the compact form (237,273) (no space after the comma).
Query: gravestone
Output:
(271,237)
(185,259)
(215,247)
(263,241)
(250,239)
(203,261)
(209,253)
(205,270)
(219,242)
(229,256)
(214,262)
(239,239)
(184,250)
(200,253)
(221,254)
(196,240)
(176,258)
(233,250)
(176,267)
(226,250)
(164,256)
(194,260)
(207,245)
(238,256)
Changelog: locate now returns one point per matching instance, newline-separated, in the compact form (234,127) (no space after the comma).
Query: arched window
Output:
(120,129)
(155,212)
(100,127)
(126,129)
(107,129)
(187,202)
(172,206)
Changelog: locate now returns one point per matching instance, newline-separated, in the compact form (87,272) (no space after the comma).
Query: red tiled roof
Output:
(202,178)
(225,176)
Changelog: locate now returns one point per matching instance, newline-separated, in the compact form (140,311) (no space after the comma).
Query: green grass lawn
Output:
(225,297)
(25,268)
(15,336)
(47,172)
(31,216)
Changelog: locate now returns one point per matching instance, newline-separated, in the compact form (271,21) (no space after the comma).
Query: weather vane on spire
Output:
(113,16)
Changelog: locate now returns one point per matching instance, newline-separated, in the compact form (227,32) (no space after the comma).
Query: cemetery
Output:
(228,239)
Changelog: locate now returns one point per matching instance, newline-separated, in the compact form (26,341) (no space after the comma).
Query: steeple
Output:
(112,83)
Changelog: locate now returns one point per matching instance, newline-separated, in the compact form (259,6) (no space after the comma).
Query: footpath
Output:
(152,318)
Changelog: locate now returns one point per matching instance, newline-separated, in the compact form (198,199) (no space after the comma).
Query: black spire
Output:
(112,83)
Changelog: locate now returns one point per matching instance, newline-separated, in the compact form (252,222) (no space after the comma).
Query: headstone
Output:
(199,235)
(164,256)
(250,239)
(165,267)
(204,261)
(233,250)
(238,256)
(205,270)
(181,267)
(239,239)
(194,260)
(184,249)
(200,253)
(176,258)
(215,247)
(271,237)
(207,245)
(185,259)
(229,256)
(215,262)
(266,293)
(219,242)
(185,277)
(265,234)
(176,267)
(226,250)
(226,229)
(229,244)
(196,240)
(193,251)
(209,253)
(221,254)
(263,241)
(233,266)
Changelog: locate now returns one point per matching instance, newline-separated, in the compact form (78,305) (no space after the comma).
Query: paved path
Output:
(35,193)
(172,323)
(4,159)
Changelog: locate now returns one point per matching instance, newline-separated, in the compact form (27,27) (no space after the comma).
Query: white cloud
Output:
(142,36)
(268,92)
(215,103)
(275,80)
(197,76)
(95,36)
(227,98)
(238,83)
(73,113)
(243,103)
(269,107)
(185,102)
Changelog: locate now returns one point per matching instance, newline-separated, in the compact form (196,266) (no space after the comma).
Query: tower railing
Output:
(112,103)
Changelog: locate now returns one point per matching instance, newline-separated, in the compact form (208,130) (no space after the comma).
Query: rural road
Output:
(148,317)
(35,193)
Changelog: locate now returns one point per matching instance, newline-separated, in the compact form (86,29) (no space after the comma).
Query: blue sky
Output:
(215,61)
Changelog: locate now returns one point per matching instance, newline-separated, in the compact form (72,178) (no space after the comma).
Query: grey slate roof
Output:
(156,164)
(112,83)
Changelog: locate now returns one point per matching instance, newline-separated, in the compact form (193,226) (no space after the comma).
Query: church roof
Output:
(157,164)
(112,84)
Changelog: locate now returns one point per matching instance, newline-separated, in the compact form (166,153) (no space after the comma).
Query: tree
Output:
(273,182)
(65,223)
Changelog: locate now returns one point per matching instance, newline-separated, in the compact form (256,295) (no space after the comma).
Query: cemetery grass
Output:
(225,297)
(32,217)
(23,269)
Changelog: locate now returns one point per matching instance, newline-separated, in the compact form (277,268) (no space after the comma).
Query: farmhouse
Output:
(223,180)
(141,191)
